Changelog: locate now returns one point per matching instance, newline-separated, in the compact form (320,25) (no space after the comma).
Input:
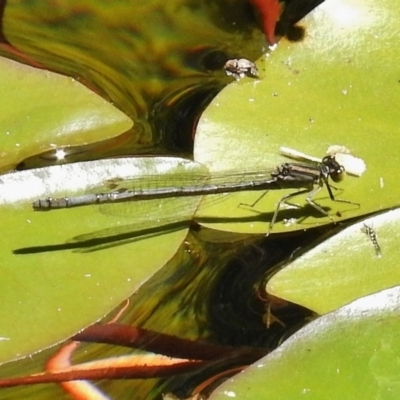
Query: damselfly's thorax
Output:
(296,175)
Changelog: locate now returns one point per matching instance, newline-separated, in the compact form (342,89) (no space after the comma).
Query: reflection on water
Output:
(142,56)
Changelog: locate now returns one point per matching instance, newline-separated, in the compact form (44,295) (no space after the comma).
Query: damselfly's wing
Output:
(156,212)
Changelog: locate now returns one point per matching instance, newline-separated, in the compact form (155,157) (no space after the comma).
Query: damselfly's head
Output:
(336,171)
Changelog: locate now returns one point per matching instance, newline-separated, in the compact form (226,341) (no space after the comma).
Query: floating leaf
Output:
(65,269)
(42,110)
(351,353)
(339,86)
(344,267)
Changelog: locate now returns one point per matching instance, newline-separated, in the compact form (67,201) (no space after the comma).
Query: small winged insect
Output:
(308,179)
(239,68)
(370,232)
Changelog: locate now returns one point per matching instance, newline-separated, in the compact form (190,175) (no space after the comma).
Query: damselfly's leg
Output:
(312,203)
(309,199)
(329,187)
(259,198)
(284,200)
(256,201)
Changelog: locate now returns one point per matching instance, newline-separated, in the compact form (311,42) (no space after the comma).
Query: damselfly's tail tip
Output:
(41,205)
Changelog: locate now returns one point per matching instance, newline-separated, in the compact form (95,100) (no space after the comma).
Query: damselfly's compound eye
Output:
(336,171)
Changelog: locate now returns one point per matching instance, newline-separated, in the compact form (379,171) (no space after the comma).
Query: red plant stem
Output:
(155,342)
(129,372)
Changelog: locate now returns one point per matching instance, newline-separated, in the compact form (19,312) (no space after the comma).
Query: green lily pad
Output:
(65,269)
(339,86)
(349,265)
(42,110)
(351,353)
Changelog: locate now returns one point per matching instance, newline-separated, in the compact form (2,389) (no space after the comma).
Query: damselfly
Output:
(310,178)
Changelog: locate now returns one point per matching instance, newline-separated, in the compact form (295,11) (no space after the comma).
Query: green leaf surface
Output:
(339,86)
(64,269)
(344,267)
(42,110)
(351,353)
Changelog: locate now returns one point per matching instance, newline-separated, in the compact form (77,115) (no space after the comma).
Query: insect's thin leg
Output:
(328,187)
(333,198)
(283,200)
(259,198)
(347,202)
(312,203)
